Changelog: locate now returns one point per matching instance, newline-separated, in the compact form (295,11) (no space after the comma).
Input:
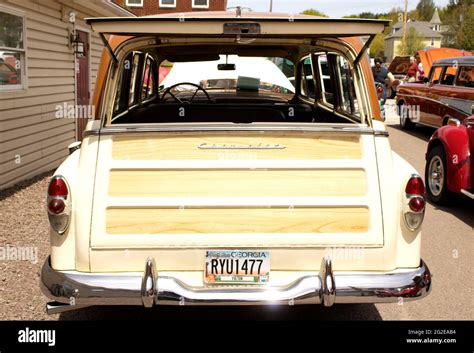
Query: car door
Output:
(430,110)
(442,96)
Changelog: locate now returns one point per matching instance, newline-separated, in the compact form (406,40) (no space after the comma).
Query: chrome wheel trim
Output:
(436,176)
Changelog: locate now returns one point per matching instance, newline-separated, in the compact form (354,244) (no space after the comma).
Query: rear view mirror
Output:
(226,67)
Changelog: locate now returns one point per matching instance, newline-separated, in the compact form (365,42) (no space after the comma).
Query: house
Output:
(153,7)
(431,32)
(48,63)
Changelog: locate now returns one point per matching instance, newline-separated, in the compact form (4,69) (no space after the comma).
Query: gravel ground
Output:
(23,224)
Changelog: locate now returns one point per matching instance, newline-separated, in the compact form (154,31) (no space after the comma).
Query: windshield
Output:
(231,72)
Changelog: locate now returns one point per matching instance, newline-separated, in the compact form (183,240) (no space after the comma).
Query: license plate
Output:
(237,267)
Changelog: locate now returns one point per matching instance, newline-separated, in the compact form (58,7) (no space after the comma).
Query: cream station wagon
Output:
(235,158)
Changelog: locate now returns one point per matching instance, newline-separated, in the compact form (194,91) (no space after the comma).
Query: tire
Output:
(405,122)
(436,172)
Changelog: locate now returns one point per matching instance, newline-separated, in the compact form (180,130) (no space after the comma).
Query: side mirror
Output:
(426,79)
(226,67)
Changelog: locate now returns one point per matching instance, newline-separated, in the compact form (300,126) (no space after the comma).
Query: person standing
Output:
(421,72)
(412,70)
(382,76)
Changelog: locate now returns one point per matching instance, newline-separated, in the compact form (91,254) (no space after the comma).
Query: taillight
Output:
(417,204)
(59,204)
(58,187)
(415,207)
(415,186)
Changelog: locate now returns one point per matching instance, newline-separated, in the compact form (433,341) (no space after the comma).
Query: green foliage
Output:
(425,10)
(414,42)
(314,12)
(458,16)
(377,47)
(465,36)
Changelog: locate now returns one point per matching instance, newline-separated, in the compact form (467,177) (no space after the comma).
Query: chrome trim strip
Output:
(129,288)
(467,193)
(227,128)
(438,101)
(223,146)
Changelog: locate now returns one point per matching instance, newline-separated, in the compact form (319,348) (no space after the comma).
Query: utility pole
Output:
(271,5)
(405,20)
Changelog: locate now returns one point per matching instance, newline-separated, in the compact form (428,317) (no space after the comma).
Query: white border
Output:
(128,4)
(24,77)
(194,6)
(167,5)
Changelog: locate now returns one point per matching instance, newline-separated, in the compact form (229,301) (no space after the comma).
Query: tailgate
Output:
(236,190)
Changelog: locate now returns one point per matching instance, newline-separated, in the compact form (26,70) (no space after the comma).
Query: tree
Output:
(314,12)
(425,10)
(414,42)
(457,16)
(377,47)
(465,37)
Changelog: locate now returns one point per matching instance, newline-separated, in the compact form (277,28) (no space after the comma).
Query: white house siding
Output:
(32,139)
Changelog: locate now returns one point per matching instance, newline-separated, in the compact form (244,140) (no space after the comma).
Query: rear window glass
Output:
(448,76)
(435,74)
(466,76)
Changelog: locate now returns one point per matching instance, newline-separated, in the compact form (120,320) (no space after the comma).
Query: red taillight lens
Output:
(417,204)
(415,186)
(56,206)
(58,187)
(59,204)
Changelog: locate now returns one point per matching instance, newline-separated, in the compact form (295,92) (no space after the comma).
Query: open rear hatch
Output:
(239,26)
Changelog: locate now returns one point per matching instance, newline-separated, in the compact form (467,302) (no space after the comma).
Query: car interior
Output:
(323,85)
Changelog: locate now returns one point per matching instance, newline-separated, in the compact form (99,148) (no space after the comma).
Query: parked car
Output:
(237,194)
(448,92)
(449,167)
(400,64)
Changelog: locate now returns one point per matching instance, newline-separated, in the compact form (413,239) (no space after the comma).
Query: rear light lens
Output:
(56,206)
(59,204)
(415,207)
(417,204)
(58,187)
(415,186)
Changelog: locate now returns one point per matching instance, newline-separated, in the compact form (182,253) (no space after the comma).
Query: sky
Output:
(332,8)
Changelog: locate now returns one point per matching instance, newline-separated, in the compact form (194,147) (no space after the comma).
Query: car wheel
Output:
(405,122)
(436,172)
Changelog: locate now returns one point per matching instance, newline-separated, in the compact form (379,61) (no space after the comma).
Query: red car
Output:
(448,92)
(450,162)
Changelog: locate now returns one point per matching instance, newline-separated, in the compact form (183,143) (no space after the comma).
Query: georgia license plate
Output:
(237,267)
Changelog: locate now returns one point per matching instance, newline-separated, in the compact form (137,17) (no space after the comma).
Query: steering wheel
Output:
(177,100)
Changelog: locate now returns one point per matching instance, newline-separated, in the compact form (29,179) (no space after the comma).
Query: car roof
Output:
(460,60)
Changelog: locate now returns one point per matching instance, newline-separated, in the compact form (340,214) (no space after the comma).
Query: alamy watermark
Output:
(356,254)
(74,111)
(19,253)
(411,112)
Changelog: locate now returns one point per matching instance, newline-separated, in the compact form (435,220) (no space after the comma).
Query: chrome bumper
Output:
(75,290)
